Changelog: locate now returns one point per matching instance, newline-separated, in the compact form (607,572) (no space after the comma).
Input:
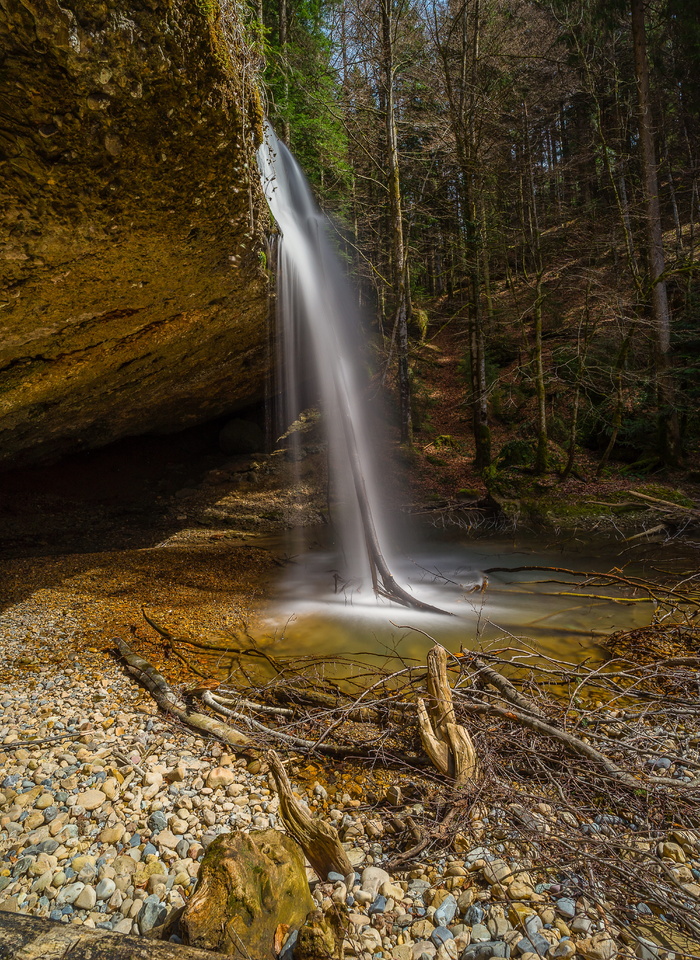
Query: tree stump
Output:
(447,743)
(319,840)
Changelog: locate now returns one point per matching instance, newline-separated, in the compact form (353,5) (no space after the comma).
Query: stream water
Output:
(314,612)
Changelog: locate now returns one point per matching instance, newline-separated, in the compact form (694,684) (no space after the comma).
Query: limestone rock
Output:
(497,871)
(91,799)
(131,265)
(598,947)
(220,777)
(248,885)
(240,437)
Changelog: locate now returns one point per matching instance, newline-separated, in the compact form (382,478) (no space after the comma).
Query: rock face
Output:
(132,285)
(249,884)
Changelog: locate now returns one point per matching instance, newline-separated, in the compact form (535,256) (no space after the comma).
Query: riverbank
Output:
(106,808)
(109,823)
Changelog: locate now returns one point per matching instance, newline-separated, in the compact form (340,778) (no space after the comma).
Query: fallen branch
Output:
(318,839)
(252,705)
(503,685)
(663,503)
(162,693)
(574,744)
(294,743)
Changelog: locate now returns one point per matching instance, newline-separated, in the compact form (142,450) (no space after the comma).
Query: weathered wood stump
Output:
(446,742)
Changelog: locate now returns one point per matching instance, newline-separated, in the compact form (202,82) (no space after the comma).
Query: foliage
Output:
(522,197)
(303,92)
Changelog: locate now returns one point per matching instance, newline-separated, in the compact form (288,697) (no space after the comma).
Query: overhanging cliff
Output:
(132,285)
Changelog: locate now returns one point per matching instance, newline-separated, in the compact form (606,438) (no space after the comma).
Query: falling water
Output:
(317,315)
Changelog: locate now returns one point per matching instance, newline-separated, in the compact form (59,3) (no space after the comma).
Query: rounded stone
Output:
(105,888)
(91,799)
(86,899)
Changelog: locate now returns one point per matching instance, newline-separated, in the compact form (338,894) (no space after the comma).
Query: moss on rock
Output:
(248,885)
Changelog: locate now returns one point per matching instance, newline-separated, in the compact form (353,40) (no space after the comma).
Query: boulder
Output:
(133,289)
(248,885)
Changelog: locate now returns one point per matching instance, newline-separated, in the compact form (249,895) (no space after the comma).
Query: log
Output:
(32,938)
(162,693)
(448,745)
(574,744)
(319,840)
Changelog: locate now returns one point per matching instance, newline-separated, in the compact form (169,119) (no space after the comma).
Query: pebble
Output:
(108,829)
(566,906)
(447,911)
(105,888)
(91,799)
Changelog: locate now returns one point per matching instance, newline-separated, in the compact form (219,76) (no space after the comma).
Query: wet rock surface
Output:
(132,286)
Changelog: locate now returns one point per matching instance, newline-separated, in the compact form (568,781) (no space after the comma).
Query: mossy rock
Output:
(418,327)
(670,494)
(517,453)
(248,885)
(321,937)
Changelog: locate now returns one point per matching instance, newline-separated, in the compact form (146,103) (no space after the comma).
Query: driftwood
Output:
(318,839)
(503,685)
(448,745)
(162,693)
(32,938)
(294,743)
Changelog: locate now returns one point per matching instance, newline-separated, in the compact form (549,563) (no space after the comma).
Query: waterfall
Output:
(319,333)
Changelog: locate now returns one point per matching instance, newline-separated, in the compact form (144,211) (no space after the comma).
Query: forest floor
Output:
(441,467)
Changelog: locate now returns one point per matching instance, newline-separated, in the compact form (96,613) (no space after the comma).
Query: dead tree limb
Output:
(503,685)
(318,839)
(288,739)
(448,745)
(574,744)
(241,702)
(162,693)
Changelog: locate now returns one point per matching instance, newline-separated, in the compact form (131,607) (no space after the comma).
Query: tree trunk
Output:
(401,294)
(669,434)
(282,31)
(541,454)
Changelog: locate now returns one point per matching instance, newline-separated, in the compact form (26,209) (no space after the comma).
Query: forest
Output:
(522,176)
